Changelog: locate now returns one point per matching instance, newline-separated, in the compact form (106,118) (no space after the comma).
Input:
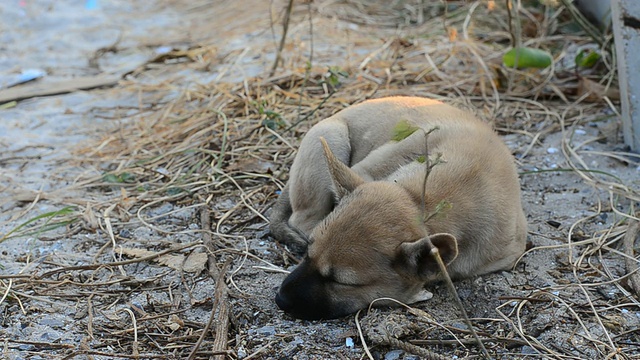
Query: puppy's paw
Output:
(293,238)
(423,295)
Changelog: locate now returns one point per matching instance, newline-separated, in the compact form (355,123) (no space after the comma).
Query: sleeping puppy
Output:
(354,202)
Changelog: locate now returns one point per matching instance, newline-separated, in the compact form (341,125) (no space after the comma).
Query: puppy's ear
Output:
(415,258)
(344,179)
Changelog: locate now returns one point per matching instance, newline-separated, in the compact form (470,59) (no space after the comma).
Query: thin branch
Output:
(632,265)
(429,167)
(285,29)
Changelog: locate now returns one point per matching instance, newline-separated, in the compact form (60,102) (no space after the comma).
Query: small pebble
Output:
(393,355)
(162,171)
(552,150)
(163,50)
(242,353)
(267,330)
(52,322)
(297,341)
(142,233)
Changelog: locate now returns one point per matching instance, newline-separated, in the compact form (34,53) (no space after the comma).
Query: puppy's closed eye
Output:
(347,277)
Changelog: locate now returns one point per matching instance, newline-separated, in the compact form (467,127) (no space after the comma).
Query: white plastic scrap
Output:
(349,343)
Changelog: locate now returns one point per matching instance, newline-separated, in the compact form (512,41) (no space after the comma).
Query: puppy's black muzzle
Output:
(303,295)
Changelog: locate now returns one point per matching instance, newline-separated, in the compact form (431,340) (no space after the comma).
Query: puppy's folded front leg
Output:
(281,229)
(308,196)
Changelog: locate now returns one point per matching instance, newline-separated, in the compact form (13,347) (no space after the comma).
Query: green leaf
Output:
(402,130)
(442,206)
(335,74)
(175,191)
(49,216)
(8,105)
(273,123)
(527,58)
(125,177)
(111,178)
(587,58)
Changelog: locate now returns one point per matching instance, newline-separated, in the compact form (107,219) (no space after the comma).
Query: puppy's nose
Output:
(283,302)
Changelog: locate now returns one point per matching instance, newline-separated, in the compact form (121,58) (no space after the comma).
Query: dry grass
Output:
(217,141)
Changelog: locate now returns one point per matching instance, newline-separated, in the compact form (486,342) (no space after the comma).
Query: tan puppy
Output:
(357,206)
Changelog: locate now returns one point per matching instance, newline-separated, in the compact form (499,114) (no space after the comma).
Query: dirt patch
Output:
(134,217)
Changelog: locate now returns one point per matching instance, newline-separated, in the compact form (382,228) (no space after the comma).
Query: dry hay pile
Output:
(217,154)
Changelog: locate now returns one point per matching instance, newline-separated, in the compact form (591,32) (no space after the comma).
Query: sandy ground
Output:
(547,304)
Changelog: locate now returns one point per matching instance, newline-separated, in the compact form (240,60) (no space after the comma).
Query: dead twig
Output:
(435,253)
(118,263)
(452,290)
(633,229)
(220,302)
(222,325)
(285,29)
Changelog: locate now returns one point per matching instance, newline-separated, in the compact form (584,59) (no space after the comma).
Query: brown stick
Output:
(452,290)
(436,254)
(285,29)
(118,263)
(221,297)
(58,87)
(629,239)
(222,325)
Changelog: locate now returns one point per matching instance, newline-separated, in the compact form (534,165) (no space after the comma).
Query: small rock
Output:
(143,233)
(52,322)
(266,331)
(393,355)
(184,214)
(459,325)
(297,341)
(162,170)
(161,210)
(242,353)
(552,150)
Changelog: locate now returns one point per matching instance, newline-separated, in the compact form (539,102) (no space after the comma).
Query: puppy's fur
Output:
(356,205)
